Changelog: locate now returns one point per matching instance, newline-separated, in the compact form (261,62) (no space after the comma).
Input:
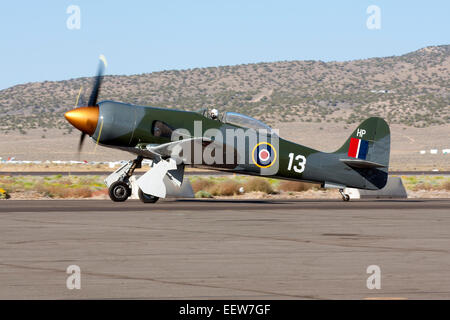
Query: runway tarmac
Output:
(217,249)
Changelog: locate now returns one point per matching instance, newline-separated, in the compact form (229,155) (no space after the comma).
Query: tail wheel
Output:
(119,191)
(146,198)
(345,196)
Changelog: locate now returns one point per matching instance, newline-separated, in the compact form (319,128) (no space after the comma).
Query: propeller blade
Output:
(97,82)
(80,102)
(92,98)
(80,144)
(78,96)
(95,90)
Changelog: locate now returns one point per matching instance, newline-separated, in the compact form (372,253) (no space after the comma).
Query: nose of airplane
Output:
(83,118)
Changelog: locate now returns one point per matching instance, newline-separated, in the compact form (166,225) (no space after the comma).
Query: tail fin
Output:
(370,142)
(367,150)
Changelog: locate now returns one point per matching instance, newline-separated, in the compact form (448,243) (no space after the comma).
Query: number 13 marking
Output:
(300,166)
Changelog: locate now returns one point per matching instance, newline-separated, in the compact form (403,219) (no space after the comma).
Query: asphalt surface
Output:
(250,249)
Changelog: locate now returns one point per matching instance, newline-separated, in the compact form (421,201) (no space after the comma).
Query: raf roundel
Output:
(264,155)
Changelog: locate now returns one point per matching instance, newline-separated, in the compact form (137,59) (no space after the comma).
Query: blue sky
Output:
(145,36)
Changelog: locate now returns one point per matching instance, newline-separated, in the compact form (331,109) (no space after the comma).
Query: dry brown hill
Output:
(412,89)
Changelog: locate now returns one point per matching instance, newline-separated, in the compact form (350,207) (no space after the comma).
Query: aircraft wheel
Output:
(346,197)
(119,191)
(146,198)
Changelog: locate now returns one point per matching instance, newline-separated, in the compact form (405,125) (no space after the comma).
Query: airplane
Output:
(166,137)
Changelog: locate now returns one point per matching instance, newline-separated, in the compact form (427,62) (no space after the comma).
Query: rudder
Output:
(370,142)
(367,152)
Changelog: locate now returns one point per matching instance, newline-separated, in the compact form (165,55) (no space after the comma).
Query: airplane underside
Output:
(167,175)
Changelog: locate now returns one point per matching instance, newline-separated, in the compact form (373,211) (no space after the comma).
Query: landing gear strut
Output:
(345,197)
(119,186)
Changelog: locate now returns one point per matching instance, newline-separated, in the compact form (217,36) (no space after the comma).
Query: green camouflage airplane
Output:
(226,141)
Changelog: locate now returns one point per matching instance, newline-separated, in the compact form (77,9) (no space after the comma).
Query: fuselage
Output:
(131,128)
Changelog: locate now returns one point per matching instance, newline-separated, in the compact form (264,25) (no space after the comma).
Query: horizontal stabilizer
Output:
(358,163)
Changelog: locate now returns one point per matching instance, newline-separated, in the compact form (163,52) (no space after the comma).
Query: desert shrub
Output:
(7,183)
(44,189)
(60,191)
(227,187)
(296,186)
(446,185)
(83,192)
(201,184)
(258,184)
(203,194)
(216,187)
(65,181)
(423,186)
(433,185)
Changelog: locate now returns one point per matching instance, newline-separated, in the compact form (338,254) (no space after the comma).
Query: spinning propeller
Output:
(85,117)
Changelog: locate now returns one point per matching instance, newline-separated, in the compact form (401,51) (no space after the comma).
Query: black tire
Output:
(346,197)
(147,198)
(119,191)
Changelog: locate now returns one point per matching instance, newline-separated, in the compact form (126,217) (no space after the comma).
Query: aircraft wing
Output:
(173,149)
(166,150)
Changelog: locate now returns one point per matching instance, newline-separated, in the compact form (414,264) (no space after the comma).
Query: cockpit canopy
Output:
(242,120)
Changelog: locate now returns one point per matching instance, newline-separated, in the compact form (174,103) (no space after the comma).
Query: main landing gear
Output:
(146,198)
(345,197)
(119,185)
(119,191)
